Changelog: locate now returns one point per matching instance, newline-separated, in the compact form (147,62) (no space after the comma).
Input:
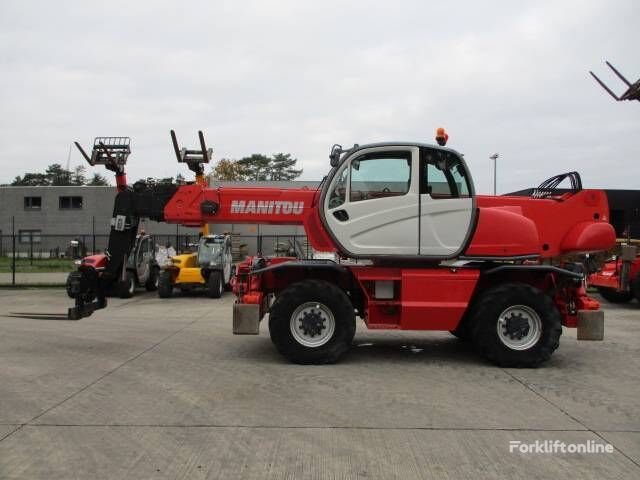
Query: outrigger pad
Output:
(246,319)
(86,309)
(591,325)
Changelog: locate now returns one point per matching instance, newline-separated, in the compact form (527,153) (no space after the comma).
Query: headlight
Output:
(78,262)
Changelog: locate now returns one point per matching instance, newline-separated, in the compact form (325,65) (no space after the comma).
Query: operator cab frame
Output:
(399,199)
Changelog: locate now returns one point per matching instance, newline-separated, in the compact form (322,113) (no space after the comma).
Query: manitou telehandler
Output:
(139,268)
(431,254)
(209,268)
(619,279)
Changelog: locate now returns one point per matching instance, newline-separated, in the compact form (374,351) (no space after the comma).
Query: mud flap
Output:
(246,319)
(590,325)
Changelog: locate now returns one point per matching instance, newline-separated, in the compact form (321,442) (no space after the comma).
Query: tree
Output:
(156,181)
(256,166)
(78,176)
(98,180)
(229,170)
(282,167)
(31,180)
(58,175)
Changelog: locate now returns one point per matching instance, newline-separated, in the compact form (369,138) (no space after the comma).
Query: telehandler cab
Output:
(419,251)
(209,268)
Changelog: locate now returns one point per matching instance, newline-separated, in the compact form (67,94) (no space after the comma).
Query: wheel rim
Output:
(312,324)
(220,287)
(132,286)
(519,327)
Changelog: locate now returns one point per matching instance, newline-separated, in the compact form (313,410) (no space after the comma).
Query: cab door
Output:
(371,207)
(447,205)
(143,256)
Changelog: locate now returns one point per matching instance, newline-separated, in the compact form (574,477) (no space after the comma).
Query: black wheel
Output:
(312,322)
(215,285)
(614,296)
(73,279)
(165,285)
(515,325)
(462,331)
(127,287)
(635,287)
(151,285)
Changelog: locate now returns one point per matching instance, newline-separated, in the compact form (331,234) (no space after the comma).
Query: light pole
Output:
(494,157)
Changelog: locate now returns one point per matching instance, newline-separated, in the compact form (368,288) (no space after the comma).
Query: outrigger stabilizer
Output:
(632,92)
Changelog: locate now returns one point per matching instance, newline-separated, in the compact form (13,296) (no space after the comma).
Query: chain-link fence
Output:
(30,257)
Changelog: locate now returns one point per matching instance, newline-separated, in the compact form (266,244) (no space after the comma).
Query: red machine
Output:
(619,279)
(138,268)
(418,250)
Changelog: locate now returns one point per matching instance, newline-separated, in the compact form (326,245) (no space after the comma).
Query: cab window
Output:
(443,175)
(379,175)
(339,192)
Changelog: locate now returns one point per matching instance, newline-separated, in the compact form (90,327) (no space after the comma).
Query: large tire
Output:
(127,287)
(329,324)
(615,296)
(635,287)
(462,331)
(151,285)
(73,277)
(515,325)
(215,285)
(165,285)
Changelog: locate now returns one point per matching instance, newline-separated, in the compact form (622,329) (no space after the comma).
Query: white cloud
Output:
(299,76)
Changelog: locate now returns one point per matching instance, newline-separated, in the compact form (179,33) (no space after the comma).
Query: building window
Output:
(32,203)
(29,236)
(70,203)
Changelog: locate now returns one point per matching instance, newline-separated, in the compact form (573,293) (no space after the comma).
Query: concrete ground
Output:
(30,278)
(154,388)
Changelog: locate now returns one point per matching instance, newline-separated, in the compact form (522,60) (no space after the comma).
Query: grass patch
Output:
(37,265)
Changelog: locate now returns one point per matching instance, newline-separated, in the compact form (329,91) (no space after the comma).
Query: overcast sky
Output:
(295,76)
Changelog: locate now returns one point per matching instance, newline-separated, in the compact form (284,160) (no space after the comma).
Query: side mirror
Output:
(334,156)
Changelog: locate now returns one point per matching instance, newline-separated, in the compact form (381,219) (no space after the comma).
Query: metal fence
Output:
(31,257)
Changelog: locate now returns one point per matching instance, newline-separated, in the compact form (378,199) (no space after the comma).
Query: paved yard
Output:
(21,278)
(154,388)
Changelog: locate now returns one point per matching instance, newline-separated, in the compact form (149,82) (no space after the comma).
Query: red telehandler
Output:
(419,250)
(619,279)
(140,268)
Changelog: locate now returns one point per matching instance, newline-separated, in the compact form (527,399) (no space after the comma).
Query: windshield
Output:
(208,252)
